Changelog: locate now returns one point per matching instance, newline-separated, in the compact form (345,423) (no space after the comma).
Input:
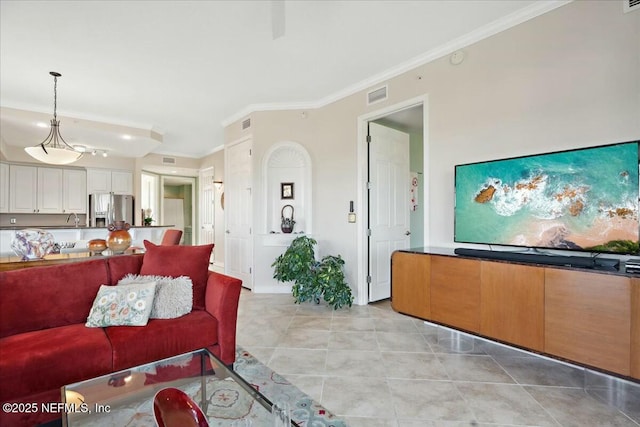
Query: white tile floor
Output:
(377,368)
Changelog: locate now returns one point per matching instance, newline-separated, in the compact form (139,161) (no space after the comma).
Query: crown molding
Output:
(269,107)
(495,27)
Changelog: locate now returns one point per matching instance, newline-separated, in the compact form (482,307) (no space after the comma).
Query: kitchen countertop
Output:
(73,240)
(15,262)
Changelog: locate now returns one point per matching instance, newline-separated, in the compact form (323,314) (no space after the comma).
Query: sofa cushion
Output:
(161,338)
(174,296)
(121,265)
(128,305)
(37,361)
(47,297)
(175,261)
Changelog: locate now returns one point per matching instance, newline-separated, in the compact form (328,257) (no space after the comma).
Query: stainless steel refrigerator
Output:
(105,208)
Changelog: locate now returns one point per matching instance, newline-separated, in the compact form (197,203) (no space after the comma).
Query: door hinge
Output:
(249,151)
(368,279)
(368,138)
(250,270)
(369,185)
(369,232)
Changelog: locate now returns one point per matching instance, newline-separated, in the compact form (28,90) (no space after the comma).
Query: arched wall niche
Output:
(287,162)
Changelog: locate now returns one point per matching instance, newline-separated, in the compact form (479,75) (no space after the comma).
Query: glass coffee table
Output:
(125,398)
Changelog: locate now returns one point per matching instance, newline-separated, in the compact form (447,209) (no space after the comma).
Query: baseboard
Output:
(275,289)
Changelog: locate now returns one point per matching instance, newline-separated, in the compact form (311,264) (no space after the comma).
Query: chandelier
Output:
(54,149)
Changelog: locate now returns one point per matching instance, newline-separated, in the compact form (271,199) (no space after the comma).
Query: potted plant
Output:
(147,219)
(312,279)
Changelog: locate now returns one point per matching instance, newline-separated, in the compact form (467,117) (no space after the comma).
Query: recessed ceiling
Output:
(177,70)
(26,128)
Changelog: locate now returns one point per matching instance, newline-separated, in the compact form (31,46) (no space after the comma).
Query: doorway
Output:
(238,207)
(407,118)
(207,210)
(388,197)
(176,205)
(149,197)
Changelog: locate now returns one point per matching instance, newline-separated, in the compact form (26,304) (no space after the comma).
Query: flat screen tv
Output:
(584,199)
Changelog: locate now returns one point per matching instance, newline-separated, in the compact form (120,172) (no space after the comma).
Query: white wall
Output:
(563,80)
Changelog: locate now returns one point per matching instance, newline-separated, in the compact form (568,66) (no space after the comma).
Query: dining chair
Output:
(171,237)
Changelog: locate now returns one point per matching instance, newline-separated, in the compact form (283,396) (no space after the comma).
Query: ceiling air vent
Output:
(377,95)
(168,160)
(246,124)
(630,5)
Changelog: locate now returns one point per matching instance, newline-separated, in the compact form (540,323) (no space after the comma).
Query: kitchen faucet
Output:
(76,220)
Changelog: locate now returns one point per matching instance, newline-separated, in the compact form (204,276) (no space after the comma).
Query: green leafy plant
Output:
(313,280)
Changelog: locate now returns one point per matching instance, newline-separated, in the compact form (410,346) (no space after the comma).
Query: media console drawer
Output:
(588,320)
(455,292)
(512,303)
(410,284)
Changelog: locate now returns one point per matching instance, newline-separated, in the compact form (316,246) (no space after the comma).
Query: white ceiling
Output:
(170,73)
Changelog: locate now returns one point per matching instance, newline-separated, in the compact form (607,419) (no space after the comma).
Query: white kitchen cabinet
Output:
(122,182)
(43,190)
(74,191)
(98,181)
(105,181)
(23,188)
(4,188)
(49,191)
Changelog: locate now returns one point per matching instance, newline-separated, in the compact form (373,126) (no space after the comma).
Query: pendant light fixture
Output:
(54,149)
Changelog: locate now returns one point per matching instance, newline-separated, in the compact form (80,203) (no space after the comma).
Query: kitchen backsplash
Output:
(40,220)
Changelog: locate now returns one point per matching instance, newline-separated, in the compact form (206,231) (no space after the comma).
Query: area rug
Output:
(304,410)
(227,402)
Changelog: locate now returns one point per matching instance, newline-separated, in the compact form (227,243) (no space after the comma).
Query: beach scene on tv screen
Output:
(581,200)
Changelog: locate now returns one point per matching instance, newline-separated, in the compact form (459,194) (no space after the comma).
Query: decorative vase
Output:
(287,219)
(97,246)
(119,238)
(32,243)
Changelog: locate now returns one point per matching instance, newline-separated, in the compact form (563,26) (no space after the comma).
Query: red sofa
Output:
(44,343)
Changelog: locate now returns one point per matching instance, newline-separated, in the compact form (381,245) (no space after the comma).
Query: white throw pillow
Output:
(174,296)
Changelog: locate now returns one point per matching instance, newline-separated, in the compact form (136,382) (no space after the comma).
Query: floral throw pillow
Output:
(128,305)
(174,296)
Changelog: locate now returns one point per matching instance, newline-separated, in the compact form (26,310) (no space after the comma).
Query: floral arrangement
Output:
(148,219)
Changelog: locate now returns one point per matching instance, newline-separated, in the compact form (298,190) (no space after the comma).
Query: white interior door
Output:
(388,204)
(207,210)
(238,205)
